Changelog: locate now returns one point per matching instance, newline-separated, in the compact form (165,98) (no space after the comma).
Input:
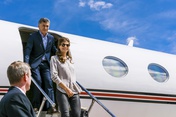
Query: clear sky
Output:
(151,23)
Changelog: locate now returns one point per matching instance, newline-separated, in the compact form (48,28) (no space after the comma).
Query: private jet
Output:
(117,80)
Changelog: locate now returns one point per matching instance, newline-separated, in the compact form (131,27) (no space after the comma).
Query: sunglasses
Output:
(63,45)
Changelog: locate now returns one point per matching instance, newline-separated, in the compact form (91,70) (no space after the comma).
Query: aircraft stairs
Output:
(84,112)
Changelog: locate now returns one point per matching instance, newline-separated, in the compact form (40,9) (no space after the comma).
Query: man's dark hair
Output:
(43,20)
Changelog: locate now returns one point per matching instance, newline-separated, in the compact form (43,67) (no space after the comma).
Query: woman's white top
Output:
(65,73)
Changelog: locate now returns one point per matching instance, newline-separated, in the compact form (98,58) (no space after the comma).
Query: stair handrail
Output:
(94,98)
(44,94)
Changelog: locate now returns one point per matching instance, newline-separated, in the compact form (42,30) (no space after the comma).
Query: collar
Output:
(20,90)
(43,35)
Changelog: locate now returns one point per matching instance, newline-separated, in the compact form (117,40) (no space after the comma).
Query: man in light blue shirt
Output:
(40,46)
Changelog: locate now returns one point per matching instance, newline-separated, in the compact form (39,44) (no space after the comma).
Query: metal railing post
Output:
(94,98)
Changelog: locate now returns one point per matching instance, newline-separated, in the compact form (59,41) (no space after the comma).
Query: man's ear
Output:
(25,77)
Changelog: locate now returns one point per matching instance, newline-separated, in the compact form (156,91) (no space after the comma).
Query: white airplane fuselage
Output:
(133,94)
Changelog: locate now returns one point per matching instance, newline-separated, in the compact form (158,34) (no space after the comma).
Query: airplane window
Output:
(158,73)
(114,66)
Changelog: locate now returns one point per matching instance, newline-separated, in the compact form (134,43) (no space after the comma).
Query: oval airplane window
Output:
(114,66)
(158,73)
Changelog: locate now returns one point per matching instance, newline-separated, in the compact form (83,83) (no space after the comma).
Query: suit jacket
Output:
(35,50)
(15,104)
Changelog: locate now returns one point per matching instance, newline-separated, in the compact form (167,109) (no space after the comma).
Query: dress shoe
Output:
(52,111)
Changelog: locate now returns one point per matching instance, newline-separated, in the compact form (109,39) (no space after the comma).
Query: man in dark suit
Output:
(39,48)
(15,102)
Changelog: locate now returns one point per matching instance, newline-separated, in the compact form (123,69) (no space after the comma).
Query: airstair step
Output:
(84,113)
(44,114)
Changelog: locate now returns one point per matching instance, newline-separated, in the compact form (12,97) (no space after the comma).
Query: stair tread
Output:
(43,114)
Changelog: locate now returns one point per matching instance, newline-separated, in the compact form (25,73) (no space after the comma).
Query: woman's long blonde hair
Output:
(58,53)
